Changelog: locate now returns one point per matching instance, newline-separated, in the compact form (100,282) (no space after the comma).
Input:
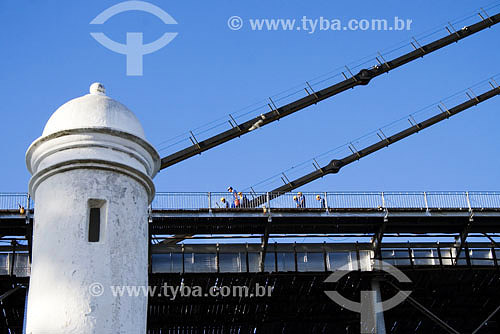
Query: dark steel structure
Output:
(460,290)
(463,298)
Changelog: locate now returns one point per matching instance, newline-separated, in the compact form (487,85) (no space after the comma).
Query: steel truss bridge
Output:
(455,283)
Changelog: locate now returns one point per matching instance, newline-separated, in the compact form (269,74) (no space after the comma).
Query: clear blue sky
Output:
(208,71)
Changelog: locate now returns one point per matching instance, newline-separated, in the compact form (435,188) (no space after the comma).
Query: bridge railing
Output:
(464,200)
(328,200)
(12,201)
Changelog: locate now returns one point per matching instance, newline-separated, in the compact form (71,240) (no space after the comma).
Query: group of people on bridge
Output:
(240,200)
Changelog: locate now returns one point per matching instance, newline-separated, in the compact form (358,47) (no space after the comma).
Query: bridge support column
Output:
(377,307)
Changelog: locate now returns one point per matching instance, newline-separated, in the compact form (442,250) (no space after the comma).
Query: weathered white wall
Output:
(65,264)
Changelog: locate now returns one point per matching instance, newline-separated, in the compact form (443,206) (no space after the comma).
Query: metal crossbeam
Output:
(10,292)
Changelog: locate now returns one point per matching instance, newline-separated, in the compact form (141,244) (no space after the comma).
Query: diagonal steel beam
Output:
(335,165)
(486,320)
(362,78)
(463,239)
(10,292)
(425,311)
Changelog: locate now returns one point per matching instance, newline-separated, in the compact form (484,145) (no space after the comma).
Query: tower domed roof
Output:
(94,110)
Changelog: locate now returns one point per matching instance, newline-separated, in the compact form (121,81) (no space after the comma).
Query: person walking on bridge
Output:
(244,202)
(236,200)
(301,199)
(322,201)
(225,204)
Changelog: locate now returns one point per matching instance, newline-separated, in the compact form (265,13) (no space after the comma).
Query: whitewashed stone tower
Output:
(92,182)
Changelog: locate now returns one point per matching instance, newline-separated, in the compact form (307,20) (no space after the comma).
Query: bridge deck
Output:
(320,221)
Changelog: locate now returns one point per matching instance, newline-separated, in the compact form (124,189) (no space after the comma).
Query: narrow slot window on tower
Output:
(95,220)
(94,224)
